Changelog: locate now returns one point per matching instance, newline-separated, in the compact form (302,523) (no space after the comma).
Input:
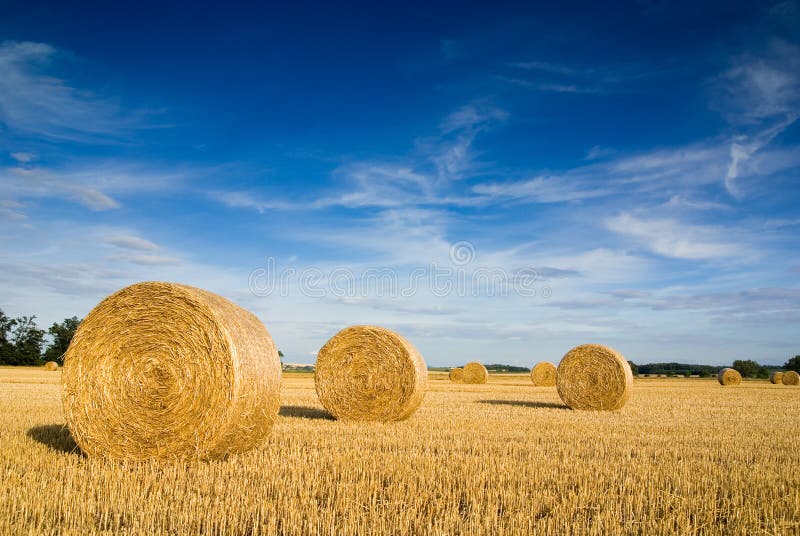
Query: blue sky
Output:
(574,173)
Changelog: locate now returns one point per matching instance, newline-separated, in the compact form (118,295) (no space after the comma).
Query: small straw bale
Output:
(163,371)
(369,373)
(594,377)
(51,365)
(776,377)
(474,372)
(729,376)
(791,377)
(456,375)
(543,374)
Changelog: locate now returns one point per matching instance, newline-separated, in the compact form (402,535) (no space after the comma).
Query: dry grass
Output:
(682,456)
(161,370)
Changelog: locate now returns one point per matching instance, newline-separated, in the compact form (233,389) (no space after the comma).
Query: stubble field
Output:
(683,456)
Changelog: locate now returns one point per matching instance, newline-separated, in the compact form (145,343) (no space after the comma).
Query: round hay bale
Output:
(368,373)
(456,375)
(51,365)
(543,374)
(167,371)
(791,377)
(776,377)
(474,372)
(729,376)
(594,377)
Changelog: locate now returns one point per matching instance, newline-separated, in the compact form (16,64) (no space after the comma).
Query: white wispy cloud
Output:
(36,101)
(672,238)
(131,242)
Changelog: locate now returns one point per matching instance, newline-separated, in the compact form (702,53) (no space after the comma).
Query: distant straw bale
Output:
(594,377)
(51,365)
(729,376)
(368,373)
(791,377)
(543,374)
(776,377)
(456,375)
(474,372)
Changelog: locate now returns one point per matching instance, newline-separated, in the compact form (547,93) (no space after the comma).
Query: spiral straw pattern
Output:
(729,376)
(51,365)
(368,373)
(791,377)
(475,373)
(776,377)
(456,375)
(594,377)
(167,371)
(543,374)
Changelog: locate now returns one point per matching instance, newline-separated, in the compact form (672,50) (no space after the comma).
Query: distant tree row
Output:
(746,367)
(23,343)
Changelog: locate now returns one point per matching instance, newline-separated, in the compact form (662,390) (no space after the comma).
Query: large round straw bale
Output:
(474,372)
(51,365)
(456,375)
(543,374)
(368,373)
(168,371)
(791,377)
(594,377)
(729,376)
(776,377)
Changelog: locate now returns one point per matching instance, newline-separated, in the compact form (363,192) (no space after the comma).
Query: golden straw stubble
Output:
(475,372)
(543,374)
(776,377)
(168,371)
(456,375)
(791,377)
(729,376)
(594,377)
(369,373)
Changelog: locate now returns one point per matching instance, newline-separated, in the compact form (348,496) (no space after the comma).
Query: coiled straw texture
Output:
(456,375)
(368,373)
(776,377)
(729,376)
(543,374)
(475,373)
(791,377)
(167,371)
(594,377)
(51,365)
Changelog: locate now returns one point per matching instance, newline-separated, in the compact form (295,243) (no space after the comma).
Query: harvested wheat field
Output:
(682,456)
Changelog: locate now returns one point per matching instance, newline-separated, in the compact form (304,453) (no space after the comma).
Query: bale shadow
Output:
(305,412)
(524,404)
(56,437)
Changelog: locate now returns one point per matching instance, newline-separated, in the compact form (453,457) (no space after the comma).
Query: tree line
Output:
(746,367)
(22,342)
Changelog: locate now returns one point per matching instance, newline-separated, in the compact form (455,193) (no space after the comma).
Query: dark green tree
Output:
(61,337)
(687,373)
(634,368)
(704,373)
(28,340)
(6,346)
(746,367)
(793,364)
